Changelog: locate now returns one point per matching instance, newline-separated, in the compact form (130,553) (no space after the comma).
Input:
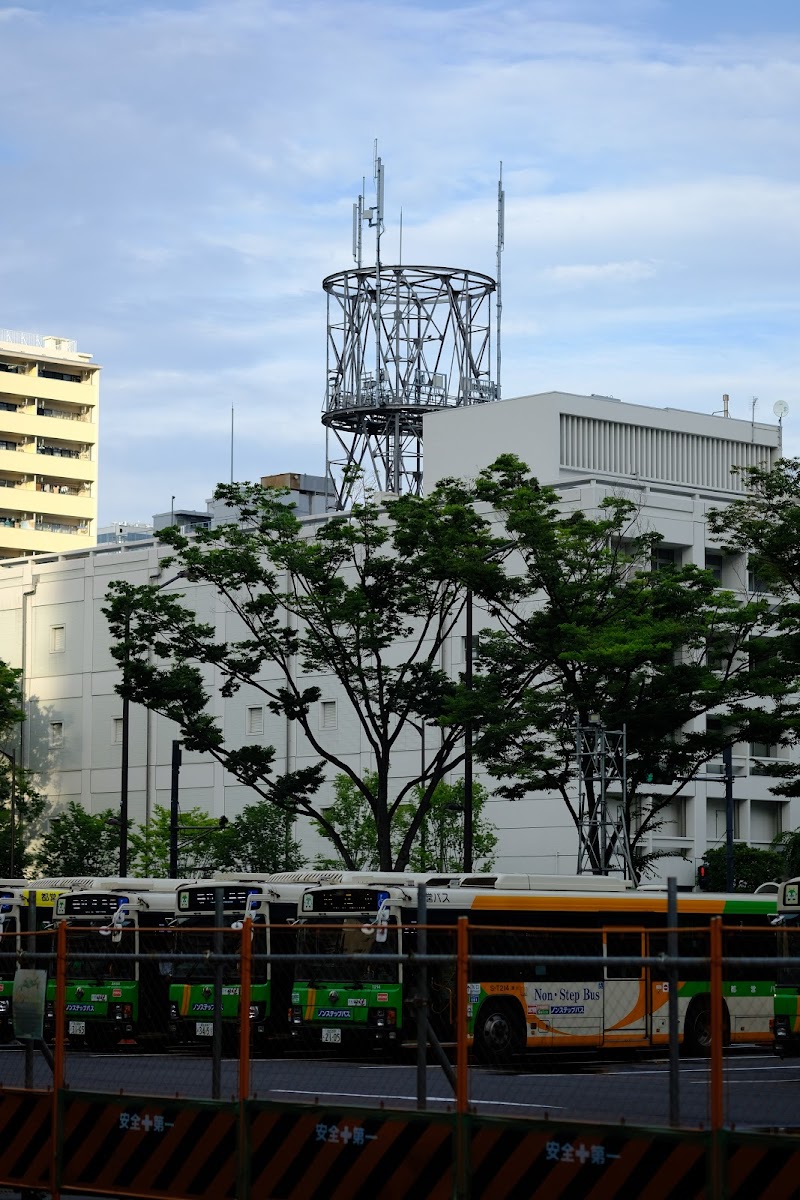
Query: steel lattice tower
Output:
(402,341)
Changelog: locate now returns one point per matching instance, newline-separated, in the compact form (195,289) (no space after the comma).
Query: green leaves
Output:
(79,843)
(595,630)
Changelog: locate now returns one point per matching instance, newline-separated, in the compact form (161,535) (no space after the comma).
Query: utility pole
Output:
(173,810)
(727,760)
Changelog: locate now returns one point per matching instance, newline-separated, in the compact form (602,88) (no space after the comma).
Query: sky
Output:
(177,178)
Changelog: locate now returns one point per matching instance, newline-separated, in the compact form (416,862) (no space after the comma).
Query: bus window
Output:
(623,945)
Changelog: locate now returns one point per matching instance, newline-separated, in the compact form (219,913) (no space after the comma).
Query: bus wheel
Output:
(697,1027)
(499,1032)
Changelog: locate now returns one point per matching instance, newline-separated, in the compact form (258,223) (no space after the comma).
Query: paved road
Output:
(761,1091)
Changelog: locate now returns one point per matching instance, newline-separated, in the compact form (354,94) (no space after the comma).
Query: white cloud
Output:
(176,206)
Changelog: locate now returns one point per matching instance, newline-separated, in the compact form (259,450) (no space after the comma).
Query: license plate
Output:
(77,1028)
(204,1028)
(332,1035)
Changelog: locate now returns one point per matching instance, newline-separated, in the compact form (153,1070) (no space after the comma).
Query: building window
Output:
(56,733)
(117,731)
(763,750)
(475,647)
(664,557)
(327,714)
(58,639)
(714,563)
(755,582)
(255,719)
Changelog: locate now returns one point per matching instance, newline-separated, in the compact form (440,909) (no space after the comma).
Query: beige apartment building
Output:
(49,396)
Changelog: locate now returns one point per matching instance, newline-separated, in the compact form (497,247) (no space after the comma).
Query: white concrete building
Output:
(675,464)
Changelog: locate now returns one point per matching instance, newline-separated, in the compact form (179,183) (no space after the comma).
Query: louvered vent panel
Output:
(670,456)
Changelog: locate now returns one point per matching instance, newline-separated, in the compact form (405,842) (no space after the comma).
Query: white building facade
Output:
(676,465)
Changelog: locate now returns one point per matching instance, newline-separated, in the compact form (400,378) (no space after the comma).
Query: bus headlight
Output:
(256,1012)
(781,1027)
(296,1015)
(173,1012)
(5,1006)
(121,1012)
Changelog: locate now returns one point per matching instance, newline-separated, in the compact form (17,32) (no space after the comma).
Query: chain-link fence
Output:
(615,1023)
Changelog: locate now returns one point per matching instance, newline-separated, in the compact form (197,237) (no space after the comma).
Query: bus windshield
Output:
(191,940)
(347,936)
(93,955)
(788,972)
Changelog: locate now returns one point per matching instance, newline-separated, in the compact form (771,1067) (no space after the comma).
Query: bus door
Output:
(625,996)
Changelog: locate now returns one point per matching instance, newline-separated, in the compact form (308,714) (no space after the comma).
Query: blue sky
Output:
(177,178)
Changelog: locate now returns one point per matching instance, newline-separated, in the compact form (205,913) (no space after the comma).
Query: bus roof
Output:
(492,898)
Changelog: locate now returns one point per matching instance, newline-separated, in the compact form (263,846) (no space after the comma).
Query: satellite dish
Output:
(780,408)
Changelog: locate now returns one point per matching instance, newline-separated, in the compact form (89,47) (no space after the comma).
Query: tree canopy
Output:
(28,804)
(439,844)
(369,597)
(600,627)
(79,843)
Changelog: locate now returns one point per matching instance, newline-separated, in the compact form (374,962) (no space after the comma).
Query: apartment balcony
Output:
(16,541)
(37,387)
(57,504)
(64,423)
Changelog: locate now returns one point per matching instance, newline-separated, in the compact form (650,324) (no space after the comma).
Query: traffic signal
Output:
(703,877)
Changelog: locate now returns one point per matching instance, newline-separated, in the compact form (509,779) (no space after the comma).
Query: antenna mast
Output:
(501,237)
(403,341)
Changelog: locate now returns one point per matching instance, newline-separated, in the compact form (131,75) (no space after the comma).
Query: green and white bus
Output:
(270,901)
(116,985)
(17,899)
(525,1001)
(786,1024)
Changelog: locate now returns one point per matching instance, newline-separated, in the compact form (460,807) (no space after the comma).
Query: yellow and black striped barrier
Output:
(203,1150)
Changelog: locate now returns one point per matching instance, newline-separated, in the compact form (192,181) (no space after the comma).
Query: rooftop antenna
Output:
(501,236)
(359,217)
(780,408)
(403,341)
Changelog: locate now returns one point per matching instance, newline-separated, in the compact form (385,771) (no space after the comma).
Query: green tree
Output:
(764,524)
(200,844)
(259,839)
(14,781)
(369,597)
(79,843)
(439,844)
(751,867)
(787,844)
(592,631)
(353,819)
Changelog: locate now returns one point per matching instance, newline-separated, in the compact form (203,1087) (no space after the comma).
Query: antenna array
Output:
(402,342)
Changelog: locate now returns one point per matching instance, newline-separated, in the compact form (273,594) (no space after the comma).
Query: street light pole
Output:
(468,826)
(11,755)
(173,810)
(123,785)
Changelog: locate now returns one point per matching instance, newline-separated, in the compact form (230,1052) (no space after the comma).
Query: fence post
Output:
(58,1055)
(31,947)
(422,997)
(243,1172)
(462,1089)
(717,1034)
(244,1008)
(216,1040)
(672,1003)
